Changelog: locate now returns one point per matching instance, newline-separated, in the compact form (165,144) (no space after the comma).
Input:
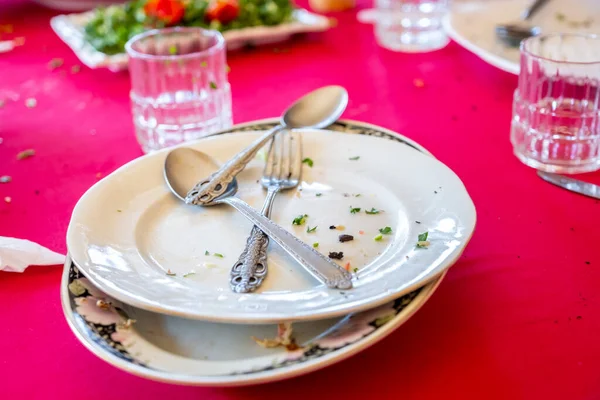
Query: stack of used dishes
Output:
(147,283)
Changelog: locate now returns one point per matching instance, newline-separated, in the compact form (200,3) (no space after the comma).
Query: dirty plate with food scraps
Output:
(70,28)
(183,351)
(471,24)
(409,217)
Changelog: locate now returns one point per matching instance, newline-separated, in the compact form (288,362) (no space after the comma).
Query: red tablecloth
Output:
(516,318)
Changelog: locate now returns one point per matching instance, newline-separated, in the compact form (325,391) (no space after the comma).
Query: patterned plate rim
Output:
(112,356)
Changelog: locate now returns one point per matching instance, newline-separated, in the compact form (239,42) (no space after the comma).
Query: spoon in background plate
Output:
(182,168)
(513,33)
(318,109)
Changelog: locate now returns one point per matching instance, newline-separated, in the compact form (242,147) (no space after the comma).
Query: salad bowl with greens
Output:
(98,37)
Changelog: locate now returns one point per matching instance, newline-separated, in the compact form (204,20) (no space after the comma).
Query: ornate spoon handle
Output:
(215,185)
(322,268)
(250,270)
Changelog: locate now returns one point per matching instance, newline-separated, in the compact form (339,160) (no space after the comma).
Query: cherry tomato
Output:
(223,11)
(168,11)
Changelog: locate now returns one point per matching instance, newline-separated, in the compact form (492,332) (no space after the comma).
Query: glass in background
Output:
(180,90)
(411,26)
(556,115)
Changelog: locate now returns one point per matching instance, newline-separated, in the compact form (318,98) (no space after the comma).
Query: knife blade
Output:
(574,185)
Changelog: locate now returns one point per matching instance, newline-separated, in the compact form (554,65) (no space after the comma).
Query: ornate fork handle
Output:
(251,269)
(322,268)
(215,185)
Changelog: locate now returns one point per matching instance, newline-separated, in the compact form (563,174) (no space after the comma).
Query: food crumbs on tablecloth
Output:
(119,210)
(418,83)
(227,69)
(422,242)
(308,162)
(345,238)
(206,253)
(7,199)
(55,63)
(347,266)
(209,265)
(378,238)
(98,175)
(578,317)
(319,194)
(36,192)
(417,222)
(171,273)
(346,194)
(361,232)
(103,305)
(435,191)
(26,154)
(355,270)
(219,255)
(316,244)
(372,211)
(299,220)
(30,102)
(357,195)
(310,230)
(336,255)
(172,50)
(354,158)
(204,64)
(340,228)
(560,16)
(213,85)
(587,263)
(19,41)
(354,210)
(6,28)
(189,274)
(332,227)
(5,179)
(75,69)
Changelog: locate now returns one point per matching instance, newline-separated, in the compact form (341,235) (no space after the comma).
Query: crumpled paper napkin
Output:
(17,254)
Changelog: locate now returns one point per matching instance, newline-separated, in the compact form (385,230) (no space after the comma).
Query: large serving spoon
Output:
(317,109)
(182,168)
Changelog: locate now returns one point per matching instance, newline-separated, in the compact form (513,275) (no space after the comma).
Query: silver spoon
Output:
(318,109)
(513,33)
(182,168)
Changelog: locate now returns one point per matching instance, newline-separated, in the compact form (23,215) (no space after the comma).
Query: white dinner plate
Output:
(135,241)
(183,351)
(471,24)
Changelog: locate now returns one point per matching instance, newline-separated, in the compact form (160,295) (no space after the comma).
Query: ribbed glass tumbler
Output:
(556,109)
(180,90)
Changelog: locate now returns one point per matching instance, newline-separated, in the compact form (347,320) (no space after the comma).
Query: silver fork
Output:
(283,170)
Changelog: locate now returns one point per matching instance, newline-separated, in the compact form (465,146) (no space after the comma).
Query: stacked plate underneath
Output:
(146,285)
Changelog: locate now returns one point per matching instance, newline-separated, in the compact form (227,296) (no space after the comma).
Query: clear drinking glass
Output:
(556,115)
(180,90)
(411,26)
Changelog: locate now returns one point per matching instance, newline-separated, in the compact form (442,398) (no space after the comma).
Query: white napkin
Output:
(17,254)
